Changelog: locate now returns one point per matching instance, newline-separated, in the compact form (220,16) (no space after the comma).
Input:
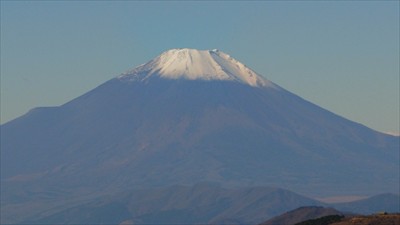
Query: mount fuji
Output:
(190,116)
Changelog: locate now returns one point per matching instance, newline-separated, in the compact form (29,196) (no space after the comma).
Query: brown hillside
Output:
(301,214)
(391,219)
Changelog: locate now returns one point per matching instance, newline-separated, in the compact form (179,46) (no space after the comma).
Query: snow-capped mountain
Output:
(193,64)
(185,117)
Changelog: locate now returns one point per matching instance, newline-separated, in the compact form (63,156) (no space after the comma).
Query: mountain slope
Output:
(185,117)
(201,130)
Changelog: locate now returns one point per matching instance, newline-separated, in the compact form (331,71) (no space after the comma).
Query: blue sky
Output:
(343,56)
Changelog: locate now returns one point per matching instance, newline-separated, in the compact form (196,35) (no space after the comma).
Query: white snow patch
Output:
(195,64)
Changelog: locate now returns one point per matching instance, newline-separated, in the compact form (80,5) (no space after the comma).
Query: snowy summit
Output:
(193,64)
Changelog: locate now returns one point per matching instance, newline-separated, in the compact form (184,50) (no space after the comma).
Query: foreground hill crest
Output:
(193,64)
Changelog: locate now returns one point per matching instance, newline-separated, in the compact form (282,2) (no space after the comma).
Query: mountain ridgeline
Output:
(198,204)
(190,116)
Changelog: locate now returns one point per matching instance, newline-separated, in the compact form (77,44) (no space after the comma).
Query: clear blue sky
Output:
(343,56)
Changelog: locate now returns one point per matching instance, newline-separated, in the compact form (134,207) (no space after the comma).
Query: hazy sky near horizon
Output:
(343,56)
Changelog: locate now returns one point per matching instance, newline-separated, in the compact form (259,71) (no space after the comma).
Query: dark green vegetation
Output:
(322,221)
